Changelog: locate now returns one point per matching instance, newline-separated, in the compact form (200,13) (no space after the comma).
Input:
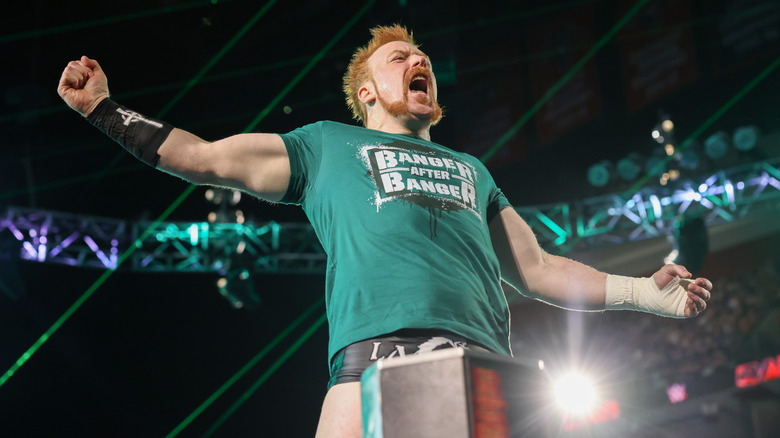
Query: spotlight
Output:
(689,157)
(628,168)
(235,197)
(575,394)
(745,138)
(716,145)
(601,173)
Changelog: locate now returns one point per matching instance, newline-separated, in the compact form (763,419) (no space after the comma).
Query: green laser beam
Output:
(249,128)
(72,309)
(310,64)
(76,179)
(213,61)
(301,60)
(198,76)
(561,82)
(91,290)
(691,138)
(259,356)
(103,21)
(267,374)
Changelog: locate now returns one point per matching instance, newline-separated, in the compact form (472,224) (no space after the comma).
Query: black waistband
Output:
(350,362)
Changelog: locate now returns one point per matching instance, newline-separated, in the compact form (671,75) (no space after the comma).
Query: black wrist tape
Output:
(139,135)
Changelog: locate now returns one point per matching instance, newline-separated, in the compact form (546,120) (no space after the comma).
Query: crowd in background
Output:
(659,352)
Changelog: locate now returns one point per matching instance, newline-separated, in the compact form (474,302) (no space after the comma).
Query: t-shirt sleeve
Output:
(497,203)
(304,150)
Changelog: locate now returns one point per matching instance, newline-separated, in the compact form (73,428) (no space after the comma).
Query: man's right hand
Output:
(83,85)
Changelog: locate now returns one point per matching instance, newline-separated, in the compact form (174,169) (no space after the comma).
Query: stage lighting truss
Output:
(725,196)
(64,238)
(86,241)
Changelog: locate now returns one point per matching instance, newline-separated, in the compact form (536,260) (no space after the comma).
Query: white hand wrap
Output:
(642,294)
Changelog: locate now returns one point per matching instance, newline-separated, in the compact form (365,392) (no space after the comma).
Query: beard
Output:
(400,108)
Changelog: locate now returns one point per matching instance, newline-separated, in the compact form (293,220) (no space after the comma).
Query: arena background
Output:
(147,348)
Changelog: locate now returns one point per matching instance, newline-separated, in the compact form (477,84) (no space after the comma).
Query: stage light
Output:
(689,157)
(235,197)
(716,145)
(575,394)
(676,393)
(192,230)
(222,288)
(745,138)
(601,173)
(660,133)
(629,167)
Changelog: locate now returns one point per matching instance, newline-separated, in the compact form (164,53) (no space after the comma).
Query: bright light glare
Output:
(575,394)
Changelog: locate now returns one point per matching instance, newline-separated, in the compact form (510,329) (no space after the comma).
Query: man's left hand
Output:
(698,290)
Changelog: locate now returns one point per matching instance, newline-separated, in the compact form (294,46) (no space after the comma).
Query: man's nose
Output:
(419,61)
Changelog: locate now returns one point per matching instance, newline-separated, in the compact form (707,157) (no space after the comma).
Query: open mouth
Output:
(419,83)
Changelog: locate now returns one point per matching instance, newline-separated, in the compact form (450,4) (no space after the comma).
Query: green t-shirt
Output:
(404,222)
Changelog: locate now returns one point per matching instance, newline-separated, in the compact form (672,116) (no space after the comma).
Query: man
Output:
(418,236)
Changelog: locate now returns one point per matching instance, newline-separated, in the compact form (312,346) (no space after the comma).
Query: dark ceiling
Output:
(146,349)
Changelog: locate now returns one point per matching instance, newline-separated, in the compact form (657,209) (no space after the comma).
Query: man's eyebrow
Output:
(407,52)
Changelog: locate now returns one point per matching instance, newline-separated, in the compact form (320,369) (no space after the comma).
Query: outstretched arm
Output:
(255,163)
(570,284)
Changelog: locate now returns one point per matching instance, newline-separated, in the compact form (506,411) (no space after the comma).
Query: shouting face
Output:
(402,83)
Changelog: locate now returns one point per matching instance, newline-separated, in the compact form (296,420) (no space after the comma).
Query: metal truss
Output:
(87,241)
(95,242)
(725,196)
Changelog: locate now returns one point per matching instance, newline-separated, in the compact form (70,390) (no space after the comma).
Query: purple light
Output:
(15,231)
(146,260)
(677,393)
(100,255)
(31,253)
(91,244)
(65,243)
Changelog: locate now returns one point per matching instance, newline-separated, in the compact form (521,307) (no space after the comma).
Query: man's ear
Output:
(366,93)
